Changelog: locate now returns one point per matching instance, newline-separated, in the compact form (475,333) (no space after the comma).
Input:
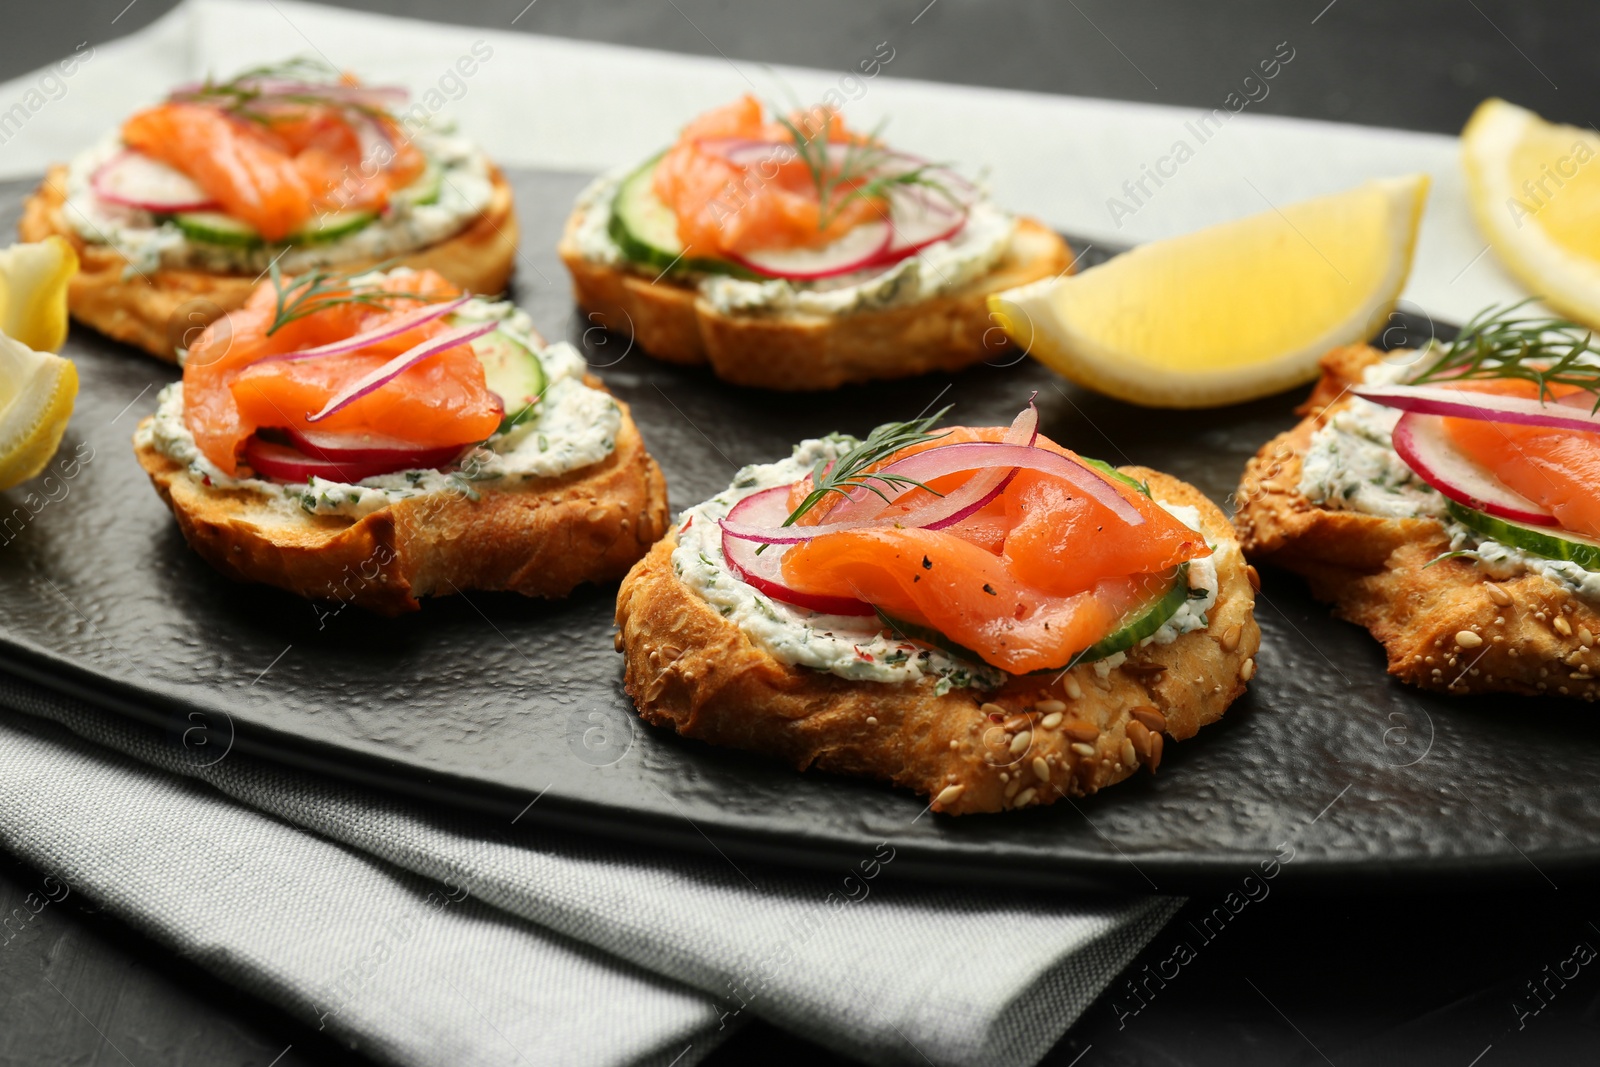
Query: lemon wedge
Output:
(1534,187)
(33,292)
(36,394)
(1229,313)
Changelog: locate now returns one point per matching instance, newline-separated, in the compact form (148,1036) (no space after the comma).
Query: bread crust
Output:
(157,310)
(1526,634)
(791,351)
(688,668)
(540,539)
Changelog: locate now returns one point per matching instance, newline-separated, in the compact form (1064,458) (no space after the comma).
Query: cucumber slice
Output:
(514,374)
(647,230)
(1136,626)
(214,227)
(927,635)
(1141,622)
(332,227)
(1539,541)
(425,190)
(1111,472)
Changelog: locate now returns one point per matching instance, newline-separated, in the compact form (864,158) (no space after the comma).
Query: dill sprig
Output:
(859,173)
(319,290)
(1496,343)
(851,470)
(240,94)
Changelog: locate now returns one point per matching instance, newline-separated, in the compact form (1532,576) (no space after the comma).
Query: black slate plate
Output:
(492,701)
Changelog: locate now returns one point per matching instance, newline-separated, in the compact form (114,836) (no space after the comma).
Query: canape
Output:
(374,439)
(799,254)
(978,615)
(177,214)
(1444,499)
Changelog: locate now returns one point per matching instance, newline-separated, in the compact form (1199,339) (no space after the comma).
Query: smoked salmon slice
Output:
(229,393)
(960,589)
(728,207)
(280,167)
(1035,577)
(252,179)
(1557,468)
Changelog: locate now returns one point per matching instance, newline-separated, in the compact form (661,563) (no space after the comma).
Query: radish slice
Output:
(368,448)
(282,463)
(1422,442)
(951,459)
(920,218)
(857,250)
(1466,404)
(764,572)
(133,179)
(375,378)
(393,328)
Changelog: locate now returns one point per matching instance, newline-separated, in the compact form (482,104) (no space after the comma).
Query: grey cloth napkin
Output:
(427,936)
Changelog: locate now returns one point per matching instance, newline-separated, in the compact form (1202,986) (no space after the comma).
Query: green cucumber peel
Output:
(1545,543)
(640,227)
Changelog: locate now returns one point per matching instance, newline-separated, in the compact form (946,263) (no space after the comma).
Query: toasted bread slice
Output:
(669,320)
(541,539)
(156,311)
(689,668)
(1445,624)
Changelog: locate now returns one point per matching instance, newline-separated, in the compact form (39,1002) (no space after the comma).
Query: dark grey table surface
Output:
(1460,978)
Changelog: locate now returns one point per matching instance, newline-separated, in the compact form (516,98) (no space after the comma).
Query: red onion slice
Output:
(764,571)
(1487,407)
(404,361)
(748,152)
(1422,442)
(954,459)
(744,152)
(370,135)
(133,179)
(980,490)
(974,495)
(391,329)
